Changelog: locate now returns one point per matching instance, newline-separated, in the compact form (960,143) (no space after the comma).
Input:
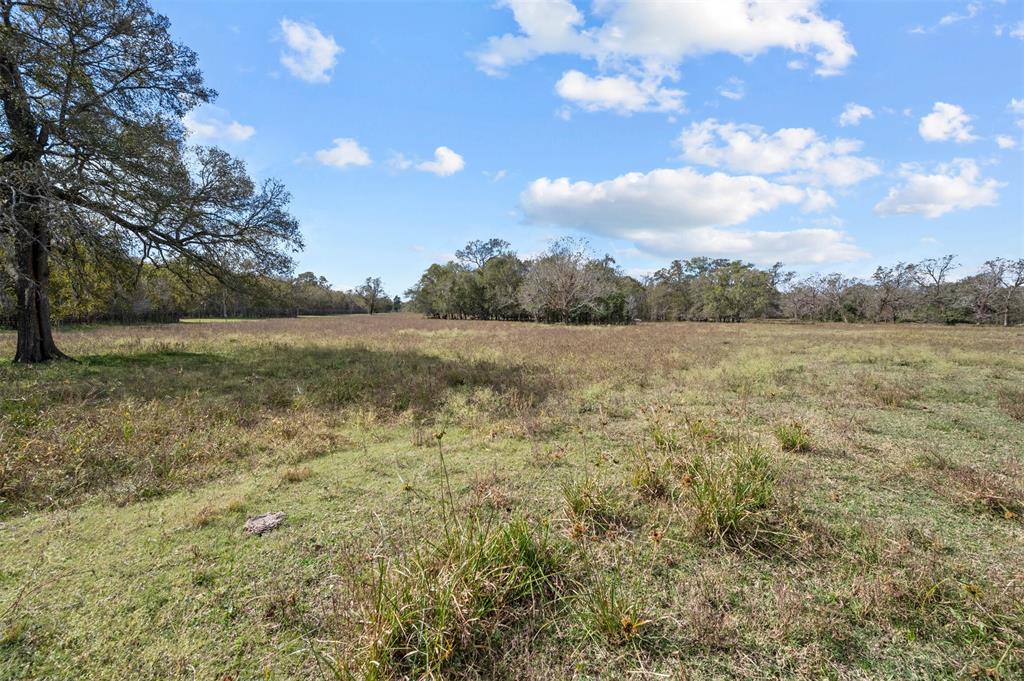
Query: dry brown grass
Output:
(865,558)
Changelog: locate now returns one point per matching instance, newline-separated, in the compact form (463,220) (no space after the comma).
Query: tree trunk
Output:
(32,255)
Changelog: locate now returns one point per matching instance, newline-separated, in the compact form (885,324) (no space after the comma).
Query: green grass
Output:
(793,437)
(847,504)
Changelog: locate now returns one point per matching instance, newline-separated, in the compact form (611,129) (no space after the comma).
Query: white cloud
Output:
(311,55)
(1016,105)
(345,152)
(446,162)
(621,94)
(210,123)
(657,36)
(733,89)
(946,122)
(953,17)
(638,45)
(853,114)
(667,211)
(496,175)
(800,153)
(1006,142)
(1017,31)
(954,186)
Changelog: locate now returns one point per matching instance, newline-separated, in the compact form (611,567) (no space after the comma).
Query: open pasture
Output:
(512,500)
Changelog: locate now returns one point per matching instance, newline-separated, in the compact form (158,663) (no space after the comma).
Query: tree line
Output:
(569,284)
(127,293)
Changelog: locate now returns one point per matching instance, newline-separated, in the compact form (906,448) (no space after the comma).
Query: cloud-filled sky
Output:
(833,136)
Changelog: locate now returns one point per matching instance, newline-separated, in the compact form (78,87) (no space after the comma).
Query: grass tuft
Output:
(595,507)
(793,437)
(292,475)
(611,615)
(733,491)
(448,607)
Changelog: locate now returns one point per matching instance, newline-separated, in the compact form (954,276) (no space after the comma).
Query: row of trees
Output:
(569,284)
(922,291)
(130,293)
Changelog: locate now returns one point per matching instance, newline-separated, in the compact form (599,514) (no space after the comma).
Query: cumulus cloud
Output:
(801,154)
(953,186)
(446,162)
(668,211)
(211,124)
(638,45)
(946,122)
(660,35)
(853,114)
(1006,142)
(310,55)
(345,152)
(621,94)
(1017,31)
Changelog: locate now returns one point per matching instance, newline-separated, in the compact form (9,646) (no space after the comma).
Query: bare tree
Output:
(560,284)
(92,156)
(833,289)
(932,275)
(1006,278)
(894,289)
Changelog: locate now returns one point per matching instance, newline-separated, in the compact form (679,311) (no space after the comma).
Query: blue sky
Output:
(832,136)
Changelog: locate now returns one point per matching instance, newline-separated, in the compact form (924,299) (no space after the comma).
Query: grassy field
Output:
(503,500)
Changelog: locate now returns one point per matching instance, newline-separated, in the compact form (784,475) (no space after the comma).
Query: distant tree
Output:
(501,278)
(92,158)
(733,290)
(476,253)
(671,292)
(834,289)
(396,304)
(894,285)
(560,286)
(371,291)
(932,275)
(999,283)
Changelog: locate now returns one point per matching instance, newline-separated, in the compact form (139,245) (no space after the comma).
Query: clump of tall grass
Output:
(593,506)
(793,437)
(443,610)
(732,490)
(609,613)
(652,476)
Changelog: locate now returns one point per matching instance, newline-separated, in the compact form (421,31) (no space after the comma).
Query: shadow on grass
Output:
(392,381)
(137,425)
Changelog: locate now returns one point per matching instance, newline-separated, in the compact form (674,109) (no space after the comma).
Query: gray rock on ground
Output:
(264,523)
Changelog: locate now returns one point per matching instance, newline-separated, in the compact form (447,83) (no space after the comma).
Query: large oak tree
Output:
(93,157)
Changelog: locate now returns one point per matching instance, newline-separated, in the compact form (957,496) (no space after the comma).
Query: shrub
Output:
(793,437)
